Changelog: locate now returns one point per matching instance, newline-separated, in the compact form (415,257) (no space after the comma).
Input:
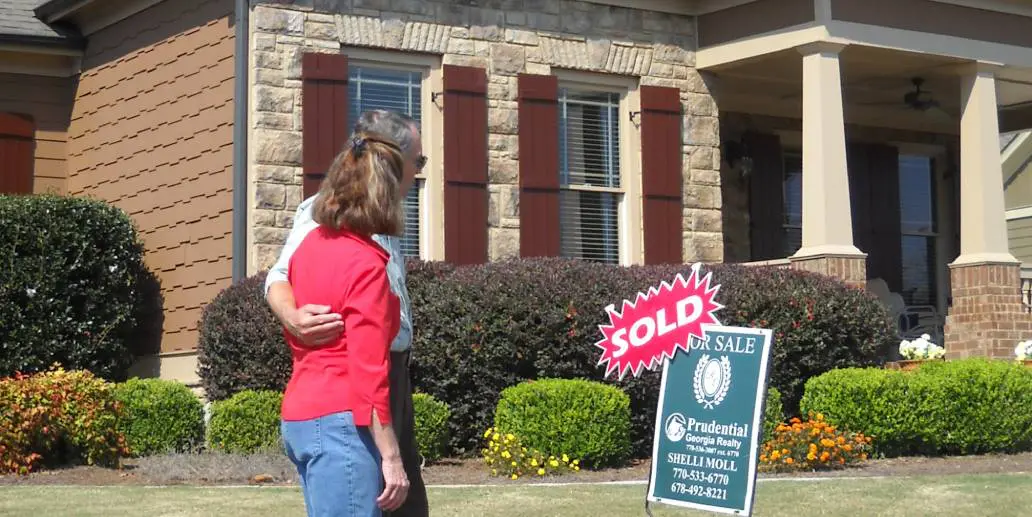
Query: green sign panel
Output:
(709,421)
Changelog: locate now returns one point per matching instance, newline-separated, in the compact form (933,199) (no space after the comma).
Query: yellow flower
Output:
(847,447)
(487,433)
(775,455)
(566,459)
(494,472)
(541,472)
(496,437)
(811,456)
(506,455)
(553,463)
(841,440)
(576,469)
(510,437)
(820,416)
(533,462)
(514,464)
(576,462)
(515,477)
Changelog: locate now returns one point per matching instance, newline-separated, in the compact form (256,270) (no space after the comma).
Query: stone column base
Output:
(987,318)
(850,269)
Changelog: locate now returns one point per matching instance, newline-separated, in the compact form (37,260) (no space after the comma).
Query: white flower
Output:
(112,269)
(31,292)
(1023,351)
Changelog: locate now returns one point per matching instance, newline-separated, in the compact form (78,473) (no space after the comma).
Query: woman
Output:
(336,419)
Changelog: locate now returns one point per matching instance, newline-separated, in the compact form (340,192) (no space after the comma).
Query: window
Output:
(917,198)
(589,169)
(396,90)
(792,195)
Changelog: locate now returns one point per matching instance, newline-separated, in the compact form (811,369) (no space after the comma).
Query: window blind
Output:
(395,90)
(589,169)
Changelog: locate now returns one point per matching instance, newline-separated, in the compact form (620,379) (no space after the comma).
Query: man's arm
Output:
(312,324)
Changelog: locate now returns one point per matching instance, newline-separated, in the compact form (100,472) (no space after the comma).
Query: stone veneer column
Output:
(658,48)
(987,317)
(827,218)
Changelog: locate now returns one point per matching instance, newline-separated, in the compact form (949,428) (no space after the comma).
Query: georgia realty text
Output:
(707,429)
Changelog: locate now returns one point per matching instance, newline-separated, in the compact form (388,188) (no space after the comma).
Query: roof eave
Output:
(57,10)
(69,43)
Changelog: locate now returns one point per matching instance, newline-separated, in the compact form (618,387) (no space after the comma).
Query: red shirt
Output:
(348,272)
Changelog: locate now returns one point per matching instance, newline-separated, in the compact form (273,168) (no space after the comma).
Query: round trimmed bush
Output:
(160,416)
(74,288)
(773,413)
(584,419)
(247,422)
(241,344)
(431,426)
(970,406)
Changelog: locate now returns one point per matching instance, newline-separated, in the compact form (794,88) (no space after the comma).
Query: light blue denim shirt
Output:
(303,224)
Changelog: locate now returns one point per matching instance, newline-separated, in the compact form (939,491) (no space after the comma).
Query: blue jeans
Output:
(338,463)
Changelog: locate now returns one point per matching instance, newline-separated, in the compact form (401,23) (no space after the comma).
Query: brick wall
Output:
(505,37)
(987,317)
(152,132)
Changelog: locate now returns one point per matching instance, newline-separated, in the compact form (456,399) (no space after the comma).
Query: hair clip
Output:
(358,146)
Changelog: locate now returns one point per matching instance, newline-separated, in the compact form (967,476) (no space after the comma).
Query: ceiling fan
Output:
(917,99)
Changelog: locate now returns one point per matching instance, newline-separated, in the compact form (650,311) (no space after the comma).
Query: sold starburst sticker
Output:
(658,323)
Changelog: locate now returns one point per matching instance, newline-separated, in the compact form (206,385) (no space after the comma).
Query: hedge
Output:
(73,287)
(246,423)
(773,413)
(431,426)
(587,420)
(241,344)
(480,329)
(971,406)
(160,416)
(57,418)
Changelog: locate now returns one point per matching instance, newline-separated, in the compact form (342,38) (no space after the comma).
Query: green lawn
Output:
(967,496)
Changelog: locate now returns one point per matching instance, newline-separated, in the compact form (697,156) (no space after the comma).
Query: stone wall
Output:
(506,37)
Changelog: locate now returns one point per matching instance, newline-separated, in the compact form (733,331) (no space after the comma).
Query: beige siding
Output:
(1020,231)
(1019,190)
(152,132)
(48,100)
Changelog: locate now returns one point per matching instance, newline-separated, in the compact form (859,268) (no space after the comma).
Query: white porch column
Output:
(983,221)
(827,218)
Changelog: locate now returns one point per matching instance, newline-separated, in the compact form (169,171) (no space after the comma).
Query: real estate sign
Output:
(709,421)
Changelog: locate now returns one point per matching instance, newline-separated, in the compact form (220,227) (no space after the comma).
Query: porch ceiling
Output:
(874,82)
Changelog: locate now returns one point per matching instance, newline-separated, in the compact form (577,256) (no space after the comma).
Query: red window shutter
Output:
(324,90)
(661,174)
(538,99)
(766,196)
(465,165)
(17,145)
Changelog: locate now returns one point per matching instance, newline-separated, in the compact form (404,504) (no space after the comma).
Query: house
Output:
(625,132)
(1016,154)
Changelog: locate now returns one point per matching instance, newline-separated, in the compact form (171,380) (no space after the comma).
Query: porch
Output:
(872,153)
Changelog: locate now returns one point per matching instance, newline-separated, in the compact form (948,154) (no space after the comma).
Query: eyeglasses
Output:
(421,162)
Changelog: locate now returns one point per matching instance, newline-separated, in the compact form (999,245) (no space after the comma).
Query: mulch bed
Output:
(221,469)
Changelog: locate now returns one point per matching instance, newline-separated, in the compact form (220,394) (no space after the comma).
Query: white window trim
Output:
(630,238)
(431,200)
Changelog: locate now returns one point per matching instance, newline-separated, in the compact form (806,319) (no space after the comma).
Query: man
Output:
(314,325)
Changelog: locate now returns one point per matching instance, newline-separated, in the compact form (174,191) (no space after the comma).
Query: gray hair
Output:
(396,126)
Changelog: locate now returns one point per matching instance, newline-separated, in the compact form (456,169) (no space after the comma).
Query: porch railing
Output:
(1026,287)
